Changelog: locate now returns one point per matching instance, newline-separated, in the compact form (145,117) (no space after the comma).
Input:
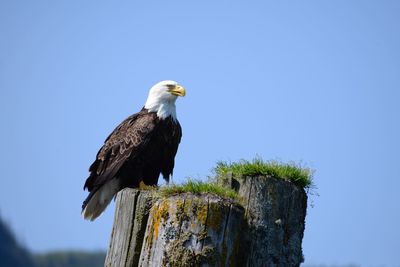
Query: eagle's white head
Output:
(162,97)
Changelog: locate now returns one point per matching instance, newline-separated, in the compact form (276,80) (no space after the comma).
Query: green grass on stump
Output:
(288,171)
(291,172)
(198,187)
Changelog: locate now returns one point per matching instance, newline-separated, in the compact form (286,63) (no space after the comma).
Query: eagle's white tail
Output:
(97,203)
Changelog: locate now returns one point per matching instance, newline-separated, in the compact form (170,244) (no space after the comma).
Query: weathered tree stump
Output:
(192,230)
(275,212)
(206,230)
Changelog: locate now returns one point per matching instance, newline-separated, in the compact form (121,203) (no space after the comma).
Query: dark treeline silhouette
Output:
(70,259)
(13,254)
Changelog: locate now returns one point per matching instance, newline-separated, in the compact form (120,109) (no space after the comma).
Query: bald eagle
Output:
(138,150)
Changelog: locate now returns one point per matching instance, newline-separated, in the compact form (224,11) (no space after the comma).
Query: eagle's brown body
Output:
(139,149)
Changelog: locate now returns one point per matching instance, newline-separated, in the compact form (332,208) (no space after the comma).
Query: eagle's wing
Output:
(126,141)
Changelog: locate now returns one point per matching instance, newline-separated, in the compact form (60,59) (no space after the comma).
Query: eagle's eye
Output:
(171,87)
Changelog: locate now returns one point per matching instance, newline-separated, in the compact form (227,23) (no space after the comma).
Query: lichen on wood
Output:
(192,230)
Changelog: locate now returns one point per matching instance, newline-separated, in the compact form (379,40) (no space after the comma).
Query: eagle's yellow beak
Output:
(178,91)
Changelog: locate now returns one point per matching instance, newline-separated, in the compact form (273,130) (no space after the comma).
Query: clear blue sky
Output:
(316,82)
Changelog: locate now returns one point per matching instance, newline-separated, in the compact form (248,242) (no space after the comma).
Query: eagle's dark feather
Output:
(139,149)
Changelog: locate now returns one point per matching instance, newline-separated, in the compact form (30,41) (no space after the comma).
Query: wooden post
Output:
(275,212)
(206,230)
(131,215)
(182,230)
